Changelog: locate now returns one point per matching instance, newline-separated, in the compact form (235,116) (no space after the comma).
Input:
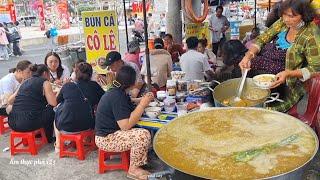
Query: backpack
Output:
(14,35)
(47,34)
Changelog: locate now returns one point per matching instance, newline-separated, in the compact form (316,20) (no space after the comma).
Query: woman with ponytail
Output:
(32,107)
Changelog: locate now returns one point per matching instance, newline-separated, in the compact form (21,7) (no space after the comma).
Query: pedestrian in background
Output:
(162,25)
(218,24)
(53,36)
(15,38)
(151,25)
(3,44)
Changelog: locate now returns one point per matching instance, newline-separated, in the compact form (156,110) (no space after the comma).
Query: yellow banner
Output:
(316,5)
(101,35)
(200,30)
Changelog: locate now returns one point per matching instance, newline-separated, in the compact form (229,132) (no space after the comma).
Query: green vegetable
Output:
(245,156)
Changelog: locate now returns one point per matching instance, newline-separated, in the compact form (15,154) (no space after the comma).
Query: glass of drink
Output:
(181,108)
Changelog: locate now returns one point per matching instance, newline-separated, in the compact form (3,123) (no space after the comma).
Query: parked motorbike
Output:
(137,36)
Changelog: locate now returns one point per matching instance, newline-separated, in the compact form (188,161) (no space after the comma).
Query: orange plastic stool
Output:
(103,166)
(4,124)
(27,139)
(151,43)
(82,147)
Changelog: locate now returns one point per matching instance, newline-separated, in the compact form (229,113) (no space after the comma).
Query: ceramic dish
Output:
(264,81)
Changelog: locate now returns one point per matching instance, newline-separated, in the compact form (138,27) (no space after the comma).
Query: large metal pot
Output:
(229,88)
(294,174)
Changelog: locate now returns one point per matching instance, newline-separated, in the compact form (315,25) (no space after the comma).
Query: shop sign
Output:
(101,34)
(200,30)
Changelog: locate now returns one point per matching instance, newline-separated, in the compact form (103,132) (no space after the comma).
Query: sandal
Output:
(139,176)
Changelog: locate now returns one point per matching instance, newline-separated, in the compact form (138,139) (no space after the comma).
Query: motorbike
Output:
(137,36)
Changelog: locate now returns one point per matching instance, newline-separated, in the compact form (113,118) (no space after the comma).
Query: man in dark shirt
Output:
(176,50)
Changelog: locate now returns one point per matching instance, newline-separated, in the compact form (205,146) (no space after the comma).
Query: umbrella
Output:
(269,5)
(146,39)
(146,43)
(125,22)
(255,13)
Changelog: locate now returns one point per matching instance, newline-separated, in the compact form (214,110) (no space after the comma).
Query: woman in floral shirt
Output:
(301,37)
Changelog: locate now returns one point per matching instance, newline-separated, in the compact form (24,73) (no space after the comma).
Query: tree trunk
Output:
(174,21)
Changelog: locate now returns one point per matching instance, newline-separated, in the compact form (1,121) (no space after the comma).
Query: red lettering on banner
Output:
(105,42)
(89,40)
(96,42)
(112,40)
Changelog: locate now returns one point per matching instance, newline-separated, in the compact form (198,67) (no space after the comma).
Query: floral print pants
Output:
(137,140)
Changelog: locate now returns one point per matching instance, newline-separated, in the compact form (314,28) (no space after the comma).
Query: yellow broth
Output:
(241,103)
(205,143)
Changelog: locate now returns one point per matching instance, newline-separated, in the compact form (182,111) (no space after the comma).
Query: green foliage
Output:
(85,8)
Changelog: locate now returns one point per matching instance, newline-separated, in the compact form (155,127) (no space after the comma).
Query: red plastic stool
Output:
(30,143)
(82,147)
(104,155)
(4,124)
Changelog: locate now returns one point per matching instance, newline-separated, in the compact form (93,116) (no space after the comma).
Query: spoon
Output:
(244,75)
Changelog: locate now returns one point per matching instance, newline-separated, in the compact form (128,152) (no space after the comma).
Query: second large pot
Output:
(229,88)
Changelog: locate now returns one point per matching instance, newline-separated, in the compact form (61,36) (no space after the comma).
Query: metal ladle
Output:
(244,75)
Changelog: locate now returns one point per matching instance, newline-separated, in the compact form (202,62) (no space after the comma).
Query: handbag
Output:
(85,100)
(60,107)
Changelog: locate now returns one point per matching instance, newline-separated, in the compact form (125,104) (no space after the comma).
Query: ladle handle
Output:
(242,82)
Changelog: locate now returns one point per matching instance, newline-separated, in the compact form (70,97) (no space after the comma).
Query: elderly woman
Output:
(133,54)
(78,100)
(299,38)
(32,107)
(58,72)
(115,118)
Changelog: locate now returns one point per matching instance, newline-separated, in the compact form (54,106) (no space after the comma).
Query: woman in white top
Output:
(11,82)
(58,72)
(202,47)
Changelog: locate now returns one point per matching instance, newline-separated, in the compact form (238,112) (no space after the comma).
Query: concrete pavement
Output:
(33,35)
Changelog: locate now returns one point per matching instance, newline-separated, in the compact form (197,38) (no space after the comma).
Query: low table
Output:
(156,124)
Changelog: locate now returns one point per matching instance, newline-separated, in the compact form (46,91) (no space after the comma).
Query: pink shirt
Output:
(134,58)
(3,37)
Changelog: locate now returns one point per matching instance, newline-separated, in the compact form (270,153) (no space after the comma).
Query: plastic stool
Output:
(82,147)
(4,124)
(103,166)
(27,139)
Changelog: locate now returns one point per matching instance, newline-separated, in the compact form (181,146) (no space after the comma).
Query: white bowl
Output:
(156,104)
(264,81)
(153,112)
(178,75)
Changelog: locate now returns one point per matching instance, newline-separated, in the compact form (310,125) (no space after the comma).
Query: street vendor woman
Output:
(300,36)
(115,119)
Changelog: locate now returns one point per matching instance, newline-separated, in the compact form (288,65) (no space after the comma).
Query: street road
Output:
(37,53)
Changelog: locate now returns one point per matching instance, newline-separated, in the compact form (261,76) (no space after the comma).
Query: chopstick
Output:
(153,121)
(156,120)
